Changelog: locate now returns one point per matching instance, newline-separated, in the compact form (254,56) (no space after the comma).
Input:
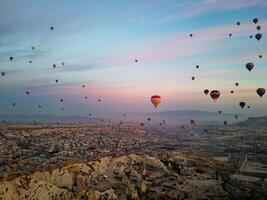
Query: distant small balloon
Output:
(148,119)
(206,91)
(232,91)
(248,107)
(13,104)
(56,81)
(260,92)
(83,86)
(142,124)
(39,106)
(61,100)
(238,23)
(255,20)
(27,92)
(51,28)
(220,112)
(54,65)
(30,61)
(236,116)
(191,35)
(225,123)
(193,78)
(249,66)
(236,84)
(136,60)
(10,58)
(3,73)
(63,63)
(250,36)
(197,66)
(260,56)
(258,28)
(33,47)
(155,100)
(230,34)
(99,100)
(258,36)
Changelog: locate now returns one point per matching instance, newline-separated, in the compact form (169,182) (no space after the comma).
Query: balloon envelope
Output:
(215,94)
(242,104)
(258,36)
(156,99)
(261,92)
(249,66)
(206,91)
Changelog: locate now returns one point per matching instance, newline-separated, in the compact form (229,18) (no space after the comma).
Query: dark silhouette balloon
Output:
(225,123)
(249,66)
(251,36)
(63,63)
(255,20)
(192,122)
(3,73)
(191,35)
(248,107)
(242,104)
(220,112)
(236,116)
(30,61)
(27,92)
(99,100)
(206,91)
(39,106)
(142,124)
(136,60)
(56,81)
(54,65)
(230,34)
(193,78)
(232,91)
(51,28)
(148,119)
(258,36)
(258,28)
(61,100)
(238,23)
(197,66)
(13,104)
(260,92)
(260,56)
(236,84)
(10,58)
(83,86)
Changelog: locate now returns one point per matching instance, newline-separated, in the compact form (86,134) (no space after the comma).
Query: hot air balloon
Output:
(230,34)
(260,56)
(83,86)
(155,99)
(206,91)
(54,65)
(193,78)
(136,60)
(90,114)
(61,100)
(238,23)
(236,116)
(56,81)
(33,47)
(99,100)
(86,97)
(10,58)
(191,34)
(39,106)
(51,28)
(13,104)
(3,73)
(192,122)
(258,36)
(124,115)
(251,36)
(63,63)
(142,124)
(255,20)
(27,92)
(260,92)
(30,61)
(242,104)
(258,28)
(148,119)
(220,112)
(225,123)
(197,66)
(249,66)
(160,124)
(232,91)
(236,84)
(248,107)
(215,94)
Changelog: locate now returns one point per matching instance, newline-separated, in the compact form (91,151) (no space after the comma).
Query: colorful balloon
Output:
(156,99)
(215,94)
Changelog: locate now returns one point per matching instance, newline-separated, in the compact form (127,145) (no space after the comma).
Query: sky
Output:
(99,41)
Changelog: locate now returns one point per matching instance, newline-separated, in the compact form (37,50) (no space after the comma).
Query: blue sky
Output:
(99,41)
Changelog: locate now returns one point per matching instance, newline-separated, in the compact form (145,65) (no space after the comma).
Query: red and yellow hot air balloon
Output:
(156,99)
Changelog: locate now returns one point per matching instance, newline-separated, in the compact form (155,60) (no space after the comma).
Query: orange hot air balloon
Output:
(155,99)
(215,94)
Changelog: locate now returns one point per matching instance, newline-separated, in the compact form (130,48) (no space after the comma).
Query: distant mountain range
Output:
(254,122)
(171,118)
(46,119)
